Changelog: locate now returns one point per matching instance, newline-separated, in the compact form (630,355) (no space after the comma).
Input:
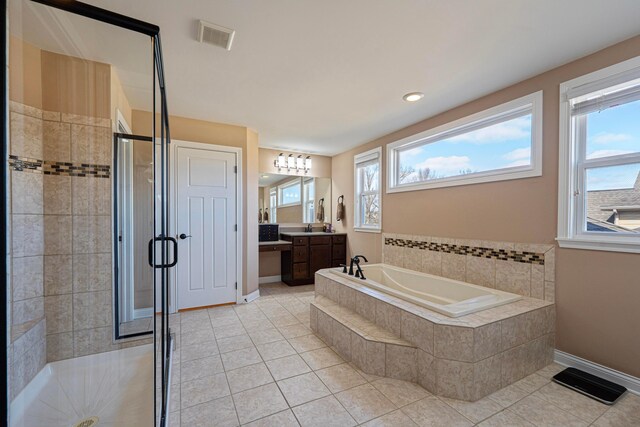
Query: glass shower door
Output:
(76,72)
(165,253)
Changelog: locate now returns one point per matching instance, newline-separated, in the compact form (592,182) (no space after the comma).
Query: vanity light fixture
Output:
(293,163)
(280,162)
(413,96)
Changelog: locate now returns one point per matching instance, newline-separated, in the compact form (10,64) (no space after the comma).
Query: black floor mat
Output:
(595,387)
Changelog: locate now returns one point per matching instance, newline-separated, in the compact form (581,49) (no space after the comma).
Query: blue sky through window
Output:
(611,132)
(499,146)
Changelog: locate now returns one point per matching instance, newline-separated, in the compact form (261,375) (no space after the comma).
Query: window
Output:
(308,196)
(273,205)
(368,203)
(289,193)
(599,188)
(504,142)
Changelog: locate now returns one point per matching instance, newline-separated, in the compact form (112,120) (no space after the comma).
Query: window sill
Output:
(288,205)
(479,178)
(367,230)
(595,244)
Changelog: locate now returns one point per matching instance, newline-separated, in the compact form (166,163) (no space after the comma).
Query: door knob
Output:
(183,236)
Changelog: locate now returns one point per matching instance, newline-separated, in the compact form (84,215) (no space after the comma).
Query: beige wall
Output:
(119,101)
(186,129)
(597,292)
(76,86)
(269,264)
(25,82)
(290,214)
(320,165)
(251,230)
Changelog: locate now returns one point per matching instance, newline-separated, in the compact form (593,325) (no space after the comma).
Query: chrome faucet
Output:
(356,260)
(309,228)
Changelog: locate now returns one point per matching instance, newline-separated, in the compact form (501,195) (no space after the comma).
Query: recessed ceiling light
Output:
(413,96)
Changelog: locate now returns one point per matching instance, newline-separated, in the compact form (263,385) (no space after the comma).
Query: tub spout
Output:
(356,260)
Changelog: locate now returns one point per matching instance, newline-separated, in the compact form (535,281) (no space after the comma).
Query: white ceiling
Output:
(325,76)
(271,178)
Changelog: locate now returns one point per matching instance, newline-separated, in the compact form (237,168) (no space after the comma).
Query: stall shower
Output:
(86,218)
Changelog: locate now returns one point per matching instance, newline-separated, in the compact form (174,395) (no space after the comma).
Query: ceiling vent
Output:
(215,35)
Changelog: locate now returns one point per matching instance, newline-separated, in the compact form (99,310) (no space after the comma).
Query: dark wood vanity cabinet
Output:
(310,254)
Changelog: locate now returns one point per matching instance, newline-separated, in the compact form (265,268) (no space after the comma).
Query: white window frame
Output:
(288,184)
(366,157)
(273,207)
(308,201)
(529,104)
(570,174)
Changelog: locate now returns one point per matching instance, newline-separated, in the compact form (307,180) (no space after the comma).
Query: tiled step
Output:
(370,347)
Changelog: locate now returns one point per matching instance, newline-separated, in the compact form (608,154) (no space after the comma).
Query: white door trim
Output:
(175,143)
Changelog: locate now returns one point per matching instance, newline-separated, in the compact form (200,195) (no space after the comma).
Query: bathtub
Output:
(450,297)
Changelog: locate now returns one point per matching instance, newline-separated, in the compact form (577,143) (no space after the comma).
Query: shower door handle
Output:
(175,252)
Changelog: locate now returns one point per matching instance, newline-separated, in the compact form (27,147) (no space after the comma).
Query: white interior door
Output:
(205,215)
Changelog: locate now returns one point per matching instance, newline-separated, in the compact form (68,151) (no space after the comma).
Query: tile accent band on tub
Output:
(47,167)
(480,252)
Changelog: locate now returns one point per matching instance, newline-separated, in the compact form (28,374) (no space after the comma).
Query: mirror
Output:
(286,199)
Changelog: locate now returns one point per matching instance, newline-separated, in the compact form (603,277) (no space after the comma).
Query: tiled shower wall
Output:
(77,207)
(523,269)
(61,236)
(27,353)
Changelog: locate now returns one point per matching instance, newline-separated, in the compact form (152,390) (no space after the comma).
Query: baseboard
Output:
(269,279)
(625,380)
(252,296)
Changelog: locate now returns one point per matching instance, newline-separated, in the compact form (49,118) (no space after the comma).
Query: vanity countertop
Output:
(275,242)
(313,233)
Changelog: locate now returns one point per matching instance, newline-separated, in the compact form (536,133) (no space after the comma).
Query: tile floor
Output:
(259,364)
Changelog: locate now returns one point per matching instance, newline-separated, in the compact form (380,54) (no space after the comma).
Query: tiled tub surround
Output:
(465,358)
(61,230)
(519,268)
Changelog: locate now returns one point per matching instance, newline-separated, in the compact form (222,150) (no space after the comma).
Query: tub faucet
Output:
(356,260)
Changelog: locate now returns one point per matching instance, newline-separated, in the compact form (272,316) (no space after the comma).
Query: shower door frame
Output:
(117,238)
(4,146)
(166,344)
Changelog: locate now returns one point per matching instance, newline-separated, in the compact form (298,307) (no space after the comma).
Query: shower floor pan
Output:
(106,389)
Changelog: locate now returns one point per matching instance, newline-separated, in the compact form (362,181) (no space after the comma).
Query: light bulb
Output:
(413,96)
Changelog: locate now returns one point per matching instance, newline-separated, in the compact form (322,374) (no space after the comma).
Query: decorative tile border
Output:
(500,254)
(46,167)
(25,164)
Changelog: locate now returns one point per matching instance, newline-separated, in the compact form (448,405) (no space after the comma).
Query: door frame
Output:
(173,223)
